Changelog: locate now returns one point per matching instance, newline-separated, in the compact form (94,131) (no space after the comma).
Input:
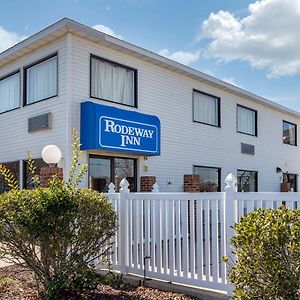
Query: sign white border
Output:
(124,148)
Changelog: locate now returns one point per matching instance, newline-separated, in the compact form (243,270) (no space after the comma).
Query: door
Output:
(292,180)
(104,170)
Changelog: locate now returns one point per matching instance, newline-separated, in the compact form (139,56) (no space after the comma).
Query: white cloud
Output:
(107,30)
(232,81)
(268,38)
(182,57)
(8,39)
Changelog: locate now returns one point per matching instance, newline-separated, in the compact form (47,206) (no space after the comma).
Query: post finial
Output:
(231,181)
(124,184)
(111,188)
(155,188)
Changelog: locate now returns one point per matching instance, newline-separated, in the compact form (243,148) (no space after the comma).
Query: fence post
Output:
(230,218)
(123,226)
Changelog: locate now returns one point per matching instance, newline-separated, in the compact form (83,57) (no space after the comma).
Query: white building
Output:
(208,126)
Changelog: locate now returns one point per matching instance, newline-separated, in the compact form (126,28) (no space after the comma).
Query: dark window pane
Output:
(99,174)
(124,168)
(209,178)
(289,133)
(247,181)
(292,180)
(28,178)
(15,170)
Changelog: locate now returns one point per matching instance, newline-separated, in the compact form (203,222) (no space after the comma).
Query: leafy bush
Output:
(60,232)
(267,247)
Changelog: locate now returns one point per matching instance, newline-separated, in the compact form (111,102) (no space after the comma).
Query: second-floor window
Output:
(10,92)
(246,120)
(113,82)
(41,80)
(206,108)
(289,133)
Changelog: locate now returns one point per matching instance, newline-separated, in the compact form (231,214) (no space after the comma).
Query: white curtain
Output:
(42,80)
(10,93)
(246,120)
(112,82)
(205,109)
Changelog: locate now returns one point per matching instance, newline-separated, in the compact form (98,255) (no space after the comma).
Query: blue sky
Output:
(253,44)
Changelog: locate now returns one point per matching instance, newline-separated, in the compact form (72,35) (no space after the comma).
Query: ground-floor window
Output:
(210,178)
(291,179)
(28,182)
(247,181)
(14,167)
(104,170)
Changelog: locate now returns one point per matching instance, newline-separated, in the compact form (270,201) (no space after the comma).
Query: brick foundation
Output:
(191,183)
(147,183)
(46,174)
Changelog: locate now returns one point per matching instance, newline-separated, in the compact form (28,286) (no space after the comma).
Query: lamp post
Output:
(51,155)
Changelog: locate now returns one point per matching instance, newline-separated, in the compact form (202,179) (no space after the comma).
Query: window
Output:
(104,170)
(113,82)
(209,178)
(206,108)
(289,132)
(247,181)
(246,120)
(10,92)
(292,180)
(13,166)
(40,80)
(28,182)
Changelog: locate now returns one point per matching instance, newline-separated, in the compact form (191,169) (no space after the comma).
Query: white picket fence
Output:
(182,237)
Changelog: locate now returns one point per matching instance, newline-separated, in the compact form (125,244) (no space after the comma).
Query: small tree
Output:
(61,232)
(267,247)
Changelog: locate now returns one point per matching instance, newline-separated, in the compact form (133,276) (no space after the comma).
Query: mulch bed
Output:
(17,283)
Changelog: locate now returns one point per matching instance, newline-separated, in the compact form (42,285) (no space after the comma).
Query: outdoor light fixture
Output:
(51,155)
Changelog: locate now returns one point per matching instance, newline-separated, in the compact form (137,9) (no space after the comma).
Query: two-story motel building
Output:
(139,115)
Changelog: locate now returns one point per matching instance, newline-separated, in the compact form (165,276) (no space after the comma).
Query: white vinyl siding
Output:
(206,108)
(112,82)
(41,81)
(10,93)
(246,120)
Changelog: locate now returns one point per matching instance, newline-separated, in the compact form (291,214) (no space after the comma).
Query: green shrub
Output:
(267,247)
(61,232)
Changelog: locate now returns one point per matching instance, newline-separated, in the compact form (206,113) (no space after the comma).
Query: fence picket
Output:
(207,240)
(172,237)
(192,238)
(185,254)
(178,240)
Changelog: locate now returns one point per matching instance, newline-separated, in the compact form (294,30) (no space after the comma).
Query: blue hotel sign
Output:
(110,128)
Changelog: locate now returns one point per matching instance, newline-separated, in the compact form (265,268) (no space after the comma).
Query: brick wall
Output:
(191,183)
(147,183)
(46,174)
